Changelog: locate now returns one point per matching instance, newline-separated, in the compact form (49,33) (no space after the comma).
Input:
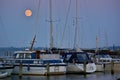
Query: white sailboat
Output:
(76,62)
(101,58)
(76,58)
(40,62)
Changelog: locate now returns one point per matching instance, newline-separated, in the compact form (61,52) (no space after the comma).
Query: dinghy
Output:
(3,74)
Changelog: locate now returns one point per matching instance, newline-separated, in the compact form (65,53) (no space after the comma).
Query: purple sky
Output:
(96,18)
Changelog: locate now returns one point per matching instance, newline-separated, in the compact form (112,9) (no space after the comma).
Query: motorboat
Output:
(101,59)
(38,63)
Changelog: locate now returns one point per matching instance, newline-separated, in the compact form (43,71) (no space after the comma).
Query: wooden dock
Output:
(110,67)
(115,67)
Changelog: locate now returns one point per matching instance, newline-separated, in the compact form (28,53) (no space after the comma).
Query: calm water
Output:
(94,76)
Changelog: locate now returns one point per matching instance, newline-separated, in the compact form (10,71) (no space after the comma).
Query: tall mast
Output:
(106,39)
(51,34)
(36,22)
(76,29)
(96,44)
(32,43)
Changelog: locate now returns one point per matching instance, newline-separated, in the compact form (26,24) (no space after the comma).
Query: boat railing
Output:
(29,61)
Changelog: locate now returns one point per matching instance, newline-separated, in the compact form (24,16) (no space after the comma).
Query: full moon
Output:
(28,12)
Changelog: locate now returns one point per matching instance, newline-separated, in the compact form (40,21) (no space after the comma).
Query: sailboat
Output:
(77,60)
(38,62)
(101,58)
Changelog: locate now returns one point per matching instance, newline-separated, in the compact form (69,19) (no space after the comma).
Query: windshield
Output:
(23,56)
(103,56)
(82,57)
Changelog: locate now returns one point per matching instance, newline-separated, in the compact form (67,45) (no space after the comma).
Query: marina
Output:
(29,67)
(81,44)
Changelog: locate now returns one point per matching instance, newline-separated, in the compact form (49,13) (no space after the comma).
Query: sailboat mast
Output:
(33,41)
(51,35)
(76,29)
(36,22)
(96,44)
(106,39)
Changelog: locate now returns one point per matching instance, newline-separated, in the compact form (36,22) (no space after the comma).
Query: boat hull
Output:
(37,69)
(79,68)
(100,68)
(3,74)
(8,69)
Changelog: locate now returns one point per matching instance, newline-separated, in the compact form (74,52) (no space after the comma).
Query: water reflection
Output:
(94,76)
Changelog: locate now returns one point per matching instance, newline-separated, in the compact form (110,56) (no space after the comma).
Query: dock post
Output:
(48,69)
(84,69)
(104,67)
(20,70)
(112,67)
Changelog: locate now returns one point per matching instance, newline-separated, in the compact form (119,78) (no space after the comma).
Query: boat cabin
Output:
(36,57)
(102,58)
(76,57)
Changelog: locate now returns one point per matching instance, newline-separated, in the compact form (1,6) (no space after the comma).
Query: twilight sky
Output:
(95,18)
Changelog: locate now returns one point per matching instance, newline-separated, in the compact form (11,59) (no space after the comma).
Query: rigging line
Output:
(36,22)
(66,20)
(82,33)
(37,17)
(1,22)
(76,28)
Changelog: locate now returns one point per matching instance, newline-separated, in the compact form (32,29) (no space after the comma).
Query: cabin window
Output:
(98,56)
(20,56)
(106,56)
(17,56)
(23,56)
(68,57)
(82,57)
(27,56)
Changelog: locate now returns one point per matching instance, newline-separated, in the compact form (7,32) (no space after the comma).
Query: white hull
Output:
(78,68)
(34,63)
(8,71)
(99,67)
(40,70)
(3,74)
